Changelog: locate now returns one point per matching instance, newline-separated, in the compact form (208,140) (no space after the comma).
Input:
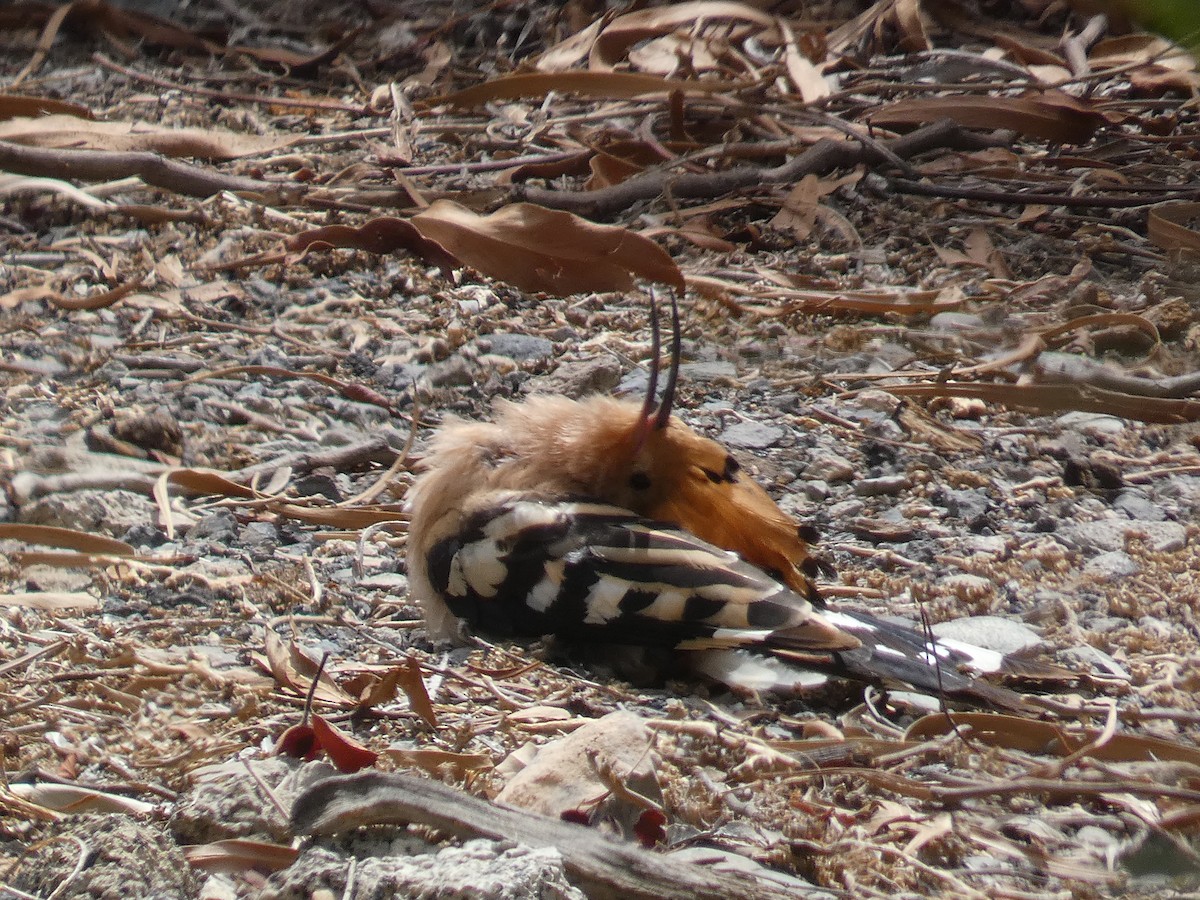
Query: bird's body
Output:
(592,521)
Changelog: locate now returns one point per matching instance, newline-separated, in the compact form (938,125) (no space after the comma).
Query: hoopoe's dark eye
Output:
(732,467)
(639,481)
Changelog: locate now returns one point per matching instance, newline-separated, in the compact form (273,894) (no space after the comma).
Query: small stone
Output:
(55,579)
(107,512)
(1088,657)
(1110,566)
(260,535)
(826,467)
(1136,505)
(752,435)
(218,526)
(989,544)
(318,484)
(816,490)
(579,378)
(882,486)
(156,430)
(990,632)
(392,582)
(1091,423)
(454,372)
(708,371)
(878,401)
(846,509)
(1111,534)
(519,347)
(969,505)
(955,321)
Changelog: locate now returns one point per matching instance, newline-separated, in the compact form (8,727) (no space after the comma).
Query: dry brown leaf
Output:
(14,106)
(439,762)
(807,78)
(240,855)
(51,600)
(348,517)
(1139,47)
(539,249)
(799,210)
(1027,53)
(633,28)
(385,234)
(1052,116)
(574,50)
(375,688)
(1061,398)
(1155,80)
(346,753)
(67,538)
(1040,737)
(70,798)
(100,299)
(606,85)
(293,669)
(615,161)
(409,680)
(63,131)
(982,251)
(1166,227)
(910,26)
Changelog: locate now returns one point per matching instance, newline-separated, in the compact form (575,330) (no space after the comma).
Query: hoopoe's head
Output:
(607,449)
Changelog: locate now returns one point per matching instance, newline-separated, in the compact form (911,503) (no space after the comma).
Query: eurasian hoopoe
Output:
(608,521)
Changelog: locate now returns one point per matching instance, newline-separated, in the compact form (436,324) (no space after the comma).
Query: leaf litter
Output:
(280,249)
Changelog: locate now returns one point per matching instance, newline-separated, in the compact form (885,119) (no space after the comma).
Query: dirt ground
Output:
(971,364)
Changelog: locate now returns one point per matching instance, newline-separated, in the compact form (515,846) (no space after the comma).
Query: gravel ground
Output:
(148,676)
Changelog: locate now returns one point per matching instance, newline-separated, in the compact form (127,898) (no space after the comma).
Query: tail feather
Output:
(891,656)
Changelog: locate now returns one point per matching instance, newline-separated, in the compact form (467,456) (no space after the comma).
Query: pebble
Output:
(1137,505)
(955,321)
(260,535)
(826,467)
(385,581)
(1111,566)
(969,505)
(716,370)
(454,372)
(1108,535)
(108,512)
(817,489)
(990,544)
(579,378)
(881,486)
(847,509)
(1088,657)
(752,435)
(990,632)
(878,401)
(520,347)
(1091,423)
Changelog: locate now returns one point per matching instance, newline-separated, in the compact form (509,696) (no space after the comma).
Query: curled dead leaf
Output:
(1052,116)
(539,249)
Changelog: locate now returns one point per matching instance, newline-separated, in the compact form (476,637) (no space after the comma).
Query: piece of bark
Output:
(602,867)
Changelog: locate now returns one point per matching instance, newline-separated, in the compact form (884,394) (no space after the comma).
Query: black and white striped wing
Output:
(598,573)
(592,571)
